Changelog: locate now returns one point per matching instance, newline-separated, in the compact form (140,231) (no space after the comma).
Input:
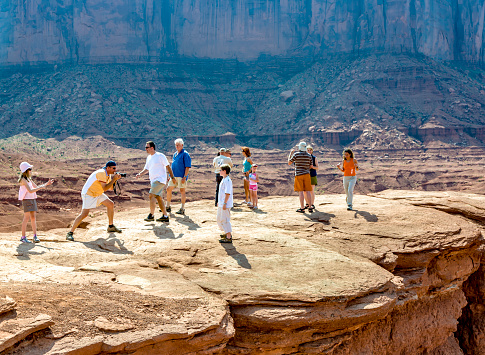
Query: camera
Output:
(122,174)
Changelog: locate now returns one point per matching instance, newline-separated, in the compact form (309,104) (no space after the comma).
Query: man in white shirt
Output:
(224,157)
(224,205)
(157,166)
(93,195)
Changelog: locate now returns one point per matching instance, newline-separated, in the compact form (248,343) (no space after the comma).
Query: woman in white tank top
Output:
(28,196)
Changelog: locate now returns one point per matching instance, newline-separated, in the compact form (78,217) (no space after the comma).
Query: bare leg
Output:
(313,195)
(79,219)
(255,198)
(161,205)
(111,210)
(246,190)
(308,197)
(169,194)
(152,203)
(24,223)
(183,196)
(33,222)
(302,199)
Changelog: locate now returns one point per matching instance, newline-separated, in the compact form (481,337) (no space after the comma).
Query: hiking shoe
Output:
(163,219)
(70,236)
(225,240)
(36,240)
(169,209)
(181,211)
(25,240)
(150,218)
(349,208)
(114,229)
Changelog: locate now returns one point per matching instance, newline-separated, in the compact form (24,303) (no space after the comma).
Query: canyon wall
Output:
(93,31)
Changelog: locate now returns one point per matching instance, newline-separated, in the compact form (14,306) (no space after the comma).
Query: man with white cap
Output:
(93,195)
(303,162)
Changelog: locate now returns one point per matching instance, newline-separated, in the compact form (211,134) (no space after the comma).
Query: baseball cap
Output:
(302,146)
(110,163)
(24,166)
(222,150)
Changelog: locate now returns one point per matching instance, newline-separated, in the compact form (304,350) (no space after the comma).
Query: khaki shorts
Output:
(29,205)
(303,183)
(179,183)
(90,202)
(156,188)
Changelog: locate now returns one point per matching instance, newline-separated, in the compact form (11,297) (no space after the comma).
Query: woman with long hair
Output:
(247,164)
(349,166)
(28,196)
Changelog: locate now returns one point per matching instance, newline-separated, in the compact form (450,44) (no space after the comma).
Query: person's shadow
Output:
(163,232)
(369,217)
(186,220)
(321,217)
(258,211)
(108,245)
(24,251)
(233,253)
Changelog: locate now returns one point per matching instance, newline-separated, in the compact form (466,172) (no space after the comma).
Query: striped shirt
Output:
(302,161)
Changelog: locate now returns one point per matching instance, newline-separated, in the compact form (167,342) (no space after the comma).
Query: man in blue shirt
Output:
(181,163)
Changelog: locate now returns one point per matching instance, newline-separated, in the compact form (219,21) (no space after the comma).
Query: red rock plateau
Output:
(401,274)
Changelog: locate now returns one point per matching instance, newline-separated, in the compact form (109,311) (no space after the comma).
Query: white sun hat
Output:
(24,166)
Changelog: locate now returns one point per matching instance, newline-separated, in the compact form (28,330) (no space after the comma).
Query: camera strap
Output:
(117,188)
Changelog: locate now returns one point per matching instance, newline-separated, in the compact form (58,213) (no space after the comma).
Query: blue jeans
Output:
(349,184)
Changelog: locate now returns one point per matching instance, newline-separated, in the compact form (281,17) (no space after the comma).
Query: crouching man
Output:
(93,195)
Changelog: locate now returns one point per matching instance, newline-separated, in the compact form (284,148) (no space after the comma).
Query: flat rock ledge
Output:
(401,274)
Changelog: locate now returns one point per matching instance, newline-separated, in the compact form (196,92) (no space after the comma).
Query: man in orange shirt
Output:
(93,195)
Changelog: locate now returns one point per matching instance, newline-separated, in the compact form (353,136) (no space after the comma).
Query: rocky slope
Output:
(399,275)
(53,31)
(378,101)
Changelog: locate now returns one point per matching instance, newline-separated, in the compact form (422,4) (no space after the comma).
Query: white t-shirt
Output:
(225,188)
(157,167)
(93,187)
(221,160)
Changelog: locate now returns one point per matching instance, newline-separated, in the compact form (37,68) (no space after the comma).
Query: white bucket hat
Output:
(302,147)
(24,166)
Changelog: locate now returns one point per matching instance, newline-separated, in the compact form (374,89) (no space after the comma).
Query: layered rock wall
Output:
(39,31)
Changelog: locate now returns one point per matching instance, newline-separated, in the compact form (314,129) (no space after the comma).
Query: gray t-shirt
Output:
(219,161)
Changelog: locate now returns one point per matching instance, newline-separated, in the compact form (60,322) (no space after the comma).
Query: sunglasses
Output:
(147,147)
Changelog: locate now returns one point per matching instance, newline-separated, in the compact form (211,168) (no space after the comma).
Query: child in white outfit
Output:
(224,205)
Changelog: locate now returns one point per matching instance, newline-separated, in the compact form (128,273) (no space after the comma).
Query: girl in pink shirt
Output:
(253,186)
(28,196)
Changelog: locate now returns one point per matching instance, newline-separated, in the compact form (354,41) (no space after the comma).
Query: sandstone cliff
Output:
(40,31)
(402,274)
